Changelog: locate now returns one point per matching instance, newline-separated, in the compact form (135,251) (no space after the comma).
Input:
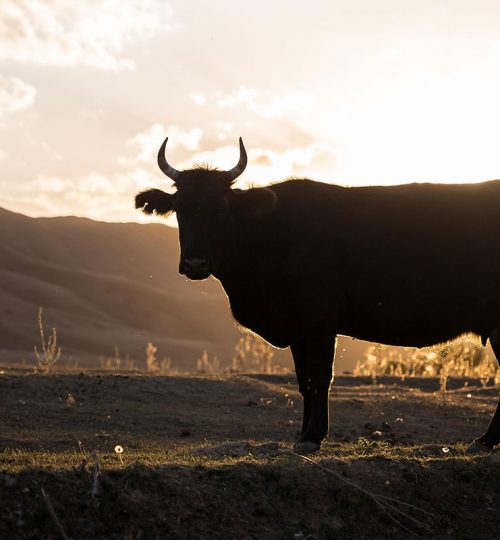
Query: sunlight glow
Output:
(346,93)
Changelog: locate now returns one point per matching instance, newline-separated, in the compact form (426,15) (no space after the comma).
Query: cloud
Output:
(243,95)
(315,160)
(223,128)
(69,33)
(94,195)
(198,98)
(102,196)
(276,107)
(92,184)
(148,143)
(15,95)
(389,53)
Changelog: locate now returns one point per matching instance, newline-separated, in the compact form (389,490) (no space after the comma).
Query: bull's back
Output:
(424,233)
(424,261)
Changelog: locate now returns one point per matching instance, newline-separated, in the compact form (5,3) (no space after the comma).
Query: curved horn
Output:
(242,163)
(172,173)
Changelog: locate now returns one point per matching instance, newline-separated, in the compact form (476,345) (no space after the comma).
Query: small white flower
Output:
(119,452)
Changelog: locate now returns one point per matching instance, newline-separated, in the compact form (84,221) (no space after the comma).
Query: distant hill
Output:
(104,285)
(109,284)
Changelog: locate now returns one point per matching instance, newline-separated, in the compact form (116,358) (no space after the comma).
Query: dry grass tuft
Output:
(50,351)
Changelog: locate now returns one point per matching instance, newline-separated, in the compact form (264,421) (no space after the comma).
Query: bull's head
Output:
(206,207)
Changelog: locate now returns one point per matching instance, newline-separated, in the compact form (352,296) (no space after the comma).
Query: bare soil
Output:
(209,457)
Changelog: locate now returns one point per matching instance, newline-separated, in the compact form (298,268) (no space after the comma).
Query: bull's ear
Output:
(155,201)
(254,202)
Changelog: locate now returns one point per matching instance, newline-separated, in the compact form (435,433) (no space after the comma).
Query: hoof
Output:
(478,447)
(306,447)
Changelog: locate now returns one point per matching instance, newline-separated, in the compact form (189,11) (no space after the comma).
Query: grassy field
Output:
(210,457)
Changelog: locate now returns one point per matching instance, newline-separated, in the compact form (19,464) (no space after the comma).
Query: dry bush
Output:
(251,355)
(460,358)
(153,365)
(116,362)
(205,365)
(50,351)
(254,355)
(151,362)
(156,366)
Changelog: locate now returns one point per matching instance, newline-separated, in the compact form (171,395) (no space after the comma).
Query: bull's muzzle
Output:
(195,267)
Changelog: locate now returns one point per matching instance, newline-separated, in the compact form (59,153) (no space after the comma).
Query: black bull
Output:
(302,262)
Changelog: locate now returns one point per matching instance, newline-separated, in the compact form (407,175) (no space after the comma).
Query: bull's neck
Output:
(240,259)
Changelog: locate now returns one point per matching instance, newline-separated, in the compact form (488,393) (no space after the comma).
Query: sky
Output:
(353,92)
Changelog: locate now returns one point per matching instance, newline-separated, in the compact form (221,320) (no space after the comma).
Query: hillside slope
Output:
(104,285)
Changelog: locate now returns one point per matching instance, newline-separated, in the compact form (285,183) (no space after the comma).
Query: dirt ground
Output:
(209,457)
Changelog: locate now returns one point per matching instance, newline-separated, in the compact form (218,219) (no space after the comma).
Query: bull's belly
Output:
(407,339)
(417,334)
(412,327)
(413,320)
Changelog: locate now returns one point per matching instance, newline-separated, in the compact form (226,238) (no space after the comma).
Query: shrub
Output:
(50,351)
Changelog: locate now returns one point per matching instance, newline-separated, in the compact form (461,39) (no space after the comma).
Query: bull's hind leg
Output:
(491,438)
(313,357)
(299,358)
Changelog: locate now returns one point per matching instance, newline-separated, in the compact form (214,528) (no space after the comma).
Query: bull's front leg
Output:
(313,358)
